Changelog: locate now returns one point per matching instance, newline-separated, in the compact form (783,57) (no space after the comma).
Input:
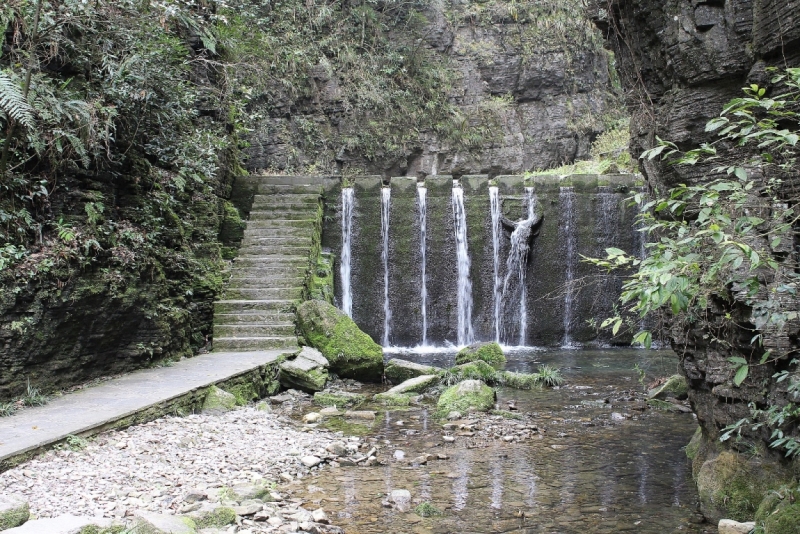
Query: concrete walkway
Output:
(96,408)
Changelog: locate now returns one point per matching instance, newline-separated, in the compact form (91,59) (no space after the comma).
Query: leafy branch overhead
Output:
(720,258)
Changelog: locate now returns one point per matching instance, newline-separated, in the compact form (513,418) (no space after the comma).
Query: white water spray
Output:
(465,333)
(422,195)
(516,268)
(387,313)
(344,266)
(494,203)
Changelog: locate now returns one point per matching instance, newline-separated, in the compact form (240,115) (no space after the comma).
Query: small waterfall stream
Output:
(465,332)
(422,203)
(344,264)
(566,197)
(494,203)
(514,291)
(387,312)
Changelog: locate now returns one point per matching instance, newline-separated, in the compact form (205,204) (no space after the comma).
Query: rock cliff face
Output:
(530,82)
(681,60)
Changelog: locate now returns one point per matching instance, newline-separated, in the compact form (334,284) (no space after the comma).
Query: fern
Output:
(13,103)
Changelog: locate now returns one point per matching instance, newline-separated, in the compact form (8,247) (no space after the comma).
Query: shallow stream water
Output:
(599,464)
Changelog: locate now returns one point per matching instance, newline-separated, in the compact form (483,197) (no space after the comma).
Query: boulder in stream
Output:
(398,370)
(351,352)
(308,371)
(415,385)
(674,388)
(490,353)
(218,401)
(466,396)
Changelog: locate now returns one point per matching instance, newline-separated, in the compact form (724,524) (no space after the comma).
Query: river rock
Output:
(398,370)
(351,352)
(14,511)
(310,461)
(414,385)
(320,516)
(308,371)
(218,401)
(338,399)
(243,492)
(469,395)
(729,526)
(674,388)
(401,499)
(63,524)
(490,353)
(312,417)
(362,414)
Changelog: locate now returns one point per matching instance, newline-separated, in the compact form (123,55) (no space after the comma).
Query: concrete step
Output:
(272,281)
(305,224)
(230,344)
(279,231)
(262,293)
(293,198)
(294,240)
(282,215)
(293,180)
(269,250)
(239,306)
(253,330)
(253,316)
(269,271)
(272,189)
(285,204)
(272,260)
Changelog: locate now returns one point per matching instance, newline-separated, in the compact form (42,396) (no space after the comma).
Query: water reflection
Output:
(585,472)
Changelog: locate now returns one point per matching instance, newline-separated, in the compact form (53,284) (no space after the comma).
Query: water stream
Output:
(344,263)
(598,465)
(464,333)
(387,312)
(494,203)
(514,291)
(566,197)
(422,195)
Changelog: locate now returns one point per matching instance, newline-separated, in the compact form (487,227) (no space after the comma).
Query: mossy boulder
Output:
(675,387)
(477,370)
(338,399)
(398,370)
(308,371)
(152,523)
(733,486)
(351,352)
(218,401)
(490,353)
(779,512)
(217,518)
(14,511)
(415,385)
(466,396)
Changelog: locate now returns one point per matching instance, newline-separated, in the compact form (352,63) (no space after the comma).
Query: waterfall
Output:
(347,234)
(387,313)
(566,197)
(516,267)
(465,334)
(494,202)
(422,194)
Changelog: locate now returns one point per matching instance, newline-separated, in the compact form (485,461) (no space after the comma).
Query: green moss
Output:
(490,353)
(351,352)
(695,444)
(94,529)
(321,282)
(339,399)
(219,517)
(519,380)
(477,370)
(784,520)
(660,405)
(470,395)
(675,387)
(218,400)
(244,393)
(15,516)
(426,509)
(392,399)
(507,414)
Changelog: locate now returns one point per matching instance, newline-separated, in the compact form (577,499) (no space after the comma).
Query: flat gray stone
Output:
(96,407)
(310,461)
(63,524)
(14,510)
(415,385)
(729,526)
(398,370)
(166,524)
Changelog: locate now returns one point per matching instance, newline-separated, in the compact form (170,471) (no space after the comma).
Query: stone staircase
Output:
(267,278)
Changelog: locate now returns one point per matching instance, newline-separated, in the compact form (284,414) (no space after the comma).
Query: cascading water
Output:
(387,312)
(347,233)
(465,333)
(516,267)
(566,198)
(494,203)
(422,195)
